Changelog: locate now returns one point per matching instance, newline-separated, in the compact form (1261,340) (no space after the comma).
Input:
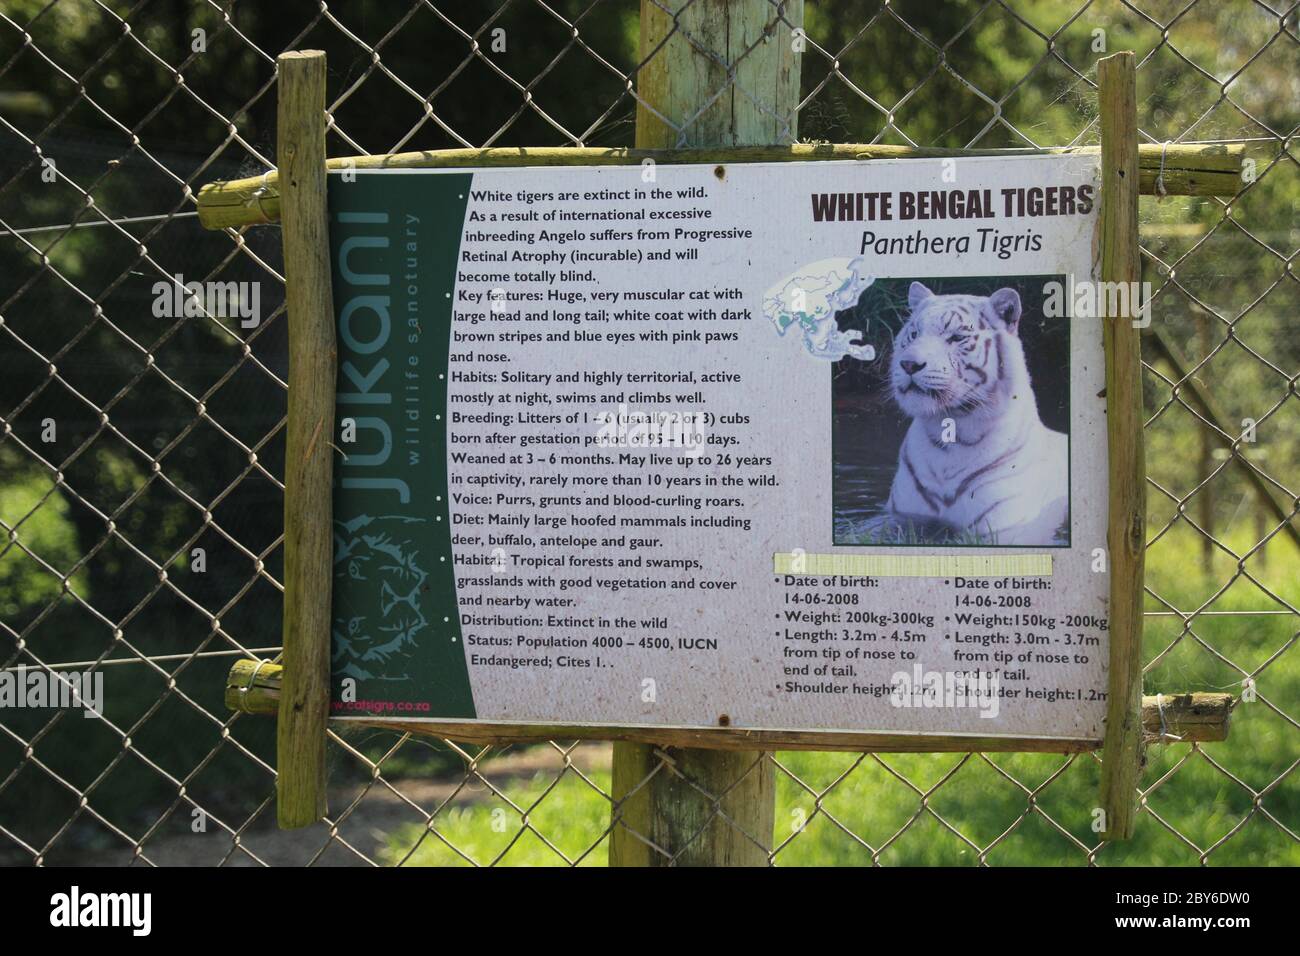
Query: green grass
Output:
(887,530)
(572,816)
(978,801)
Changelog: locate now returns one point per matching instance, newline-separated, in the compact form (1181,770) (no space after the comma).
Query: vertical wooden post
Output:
(681,79)
(1126,530)
(679,82)
(304,230)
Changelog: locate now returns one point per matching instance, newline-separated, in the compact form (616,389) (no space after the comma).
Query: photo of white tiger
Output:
(958,434)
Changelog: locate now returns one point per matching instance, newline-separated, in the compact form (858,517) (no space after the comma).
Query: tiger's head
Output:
(949,356)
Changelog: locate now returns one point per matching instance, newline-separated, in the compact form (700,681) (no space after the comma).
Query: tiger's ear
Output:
(916,294)
(1005,305)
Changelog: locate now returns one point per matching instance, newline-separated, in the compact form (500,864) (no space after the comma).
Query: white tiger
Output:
(958,369)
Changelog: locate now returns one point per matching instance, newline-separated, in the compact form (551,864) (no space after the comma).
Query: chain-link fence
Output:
(141,460)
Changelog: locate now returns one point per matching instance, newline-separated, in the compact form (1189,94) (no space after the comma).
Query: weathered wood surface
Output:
(308,521)
(685,98)
(1186,718)
(1188,170)
(253,687)
(700,807)
(1126,525)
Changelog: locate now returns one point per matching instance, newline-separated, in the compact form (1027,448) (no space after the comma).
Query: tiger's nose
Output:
(910,367)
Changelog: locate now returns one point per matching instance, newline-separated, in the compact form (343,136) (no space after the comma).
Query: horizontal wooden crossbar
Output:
(1181,170)
(254,687)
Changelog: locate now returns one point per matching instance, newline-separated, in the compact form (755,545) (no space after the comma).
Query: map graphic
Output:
(809,299)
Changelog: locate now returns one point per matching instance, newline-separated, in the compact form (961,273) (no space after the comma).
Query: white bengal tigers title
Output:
(932,204)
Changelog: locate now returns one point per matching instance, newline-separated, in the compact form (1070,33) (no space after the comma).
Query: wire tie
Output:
(243,691)
(1160,705)
(261,192)
(1160,176)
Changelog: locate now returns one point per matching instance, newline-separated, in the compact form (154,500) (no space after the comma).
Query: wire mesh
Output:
(141,460)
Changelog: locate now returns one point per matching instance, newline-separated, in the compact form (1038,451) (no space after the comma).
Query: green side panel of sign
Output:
(394,242)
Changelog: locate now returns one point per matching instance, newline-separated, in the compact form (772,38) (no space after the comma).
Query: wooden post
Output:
(702,808)
(1126,530)
(677,107)
(689,53)
(308,542)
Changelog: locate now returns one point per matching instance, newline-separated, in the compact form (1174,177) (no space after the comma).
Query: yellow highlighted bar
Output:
(915,565)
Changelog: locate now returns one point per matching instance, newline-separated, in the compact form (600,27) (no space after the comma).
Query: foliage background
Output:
(169,434)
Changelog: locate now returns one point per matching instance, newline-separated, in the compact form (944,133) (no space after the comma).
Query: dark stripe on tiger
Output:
(983,469)
(984,361)
(1001,358)
(925,492)
(985,513)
